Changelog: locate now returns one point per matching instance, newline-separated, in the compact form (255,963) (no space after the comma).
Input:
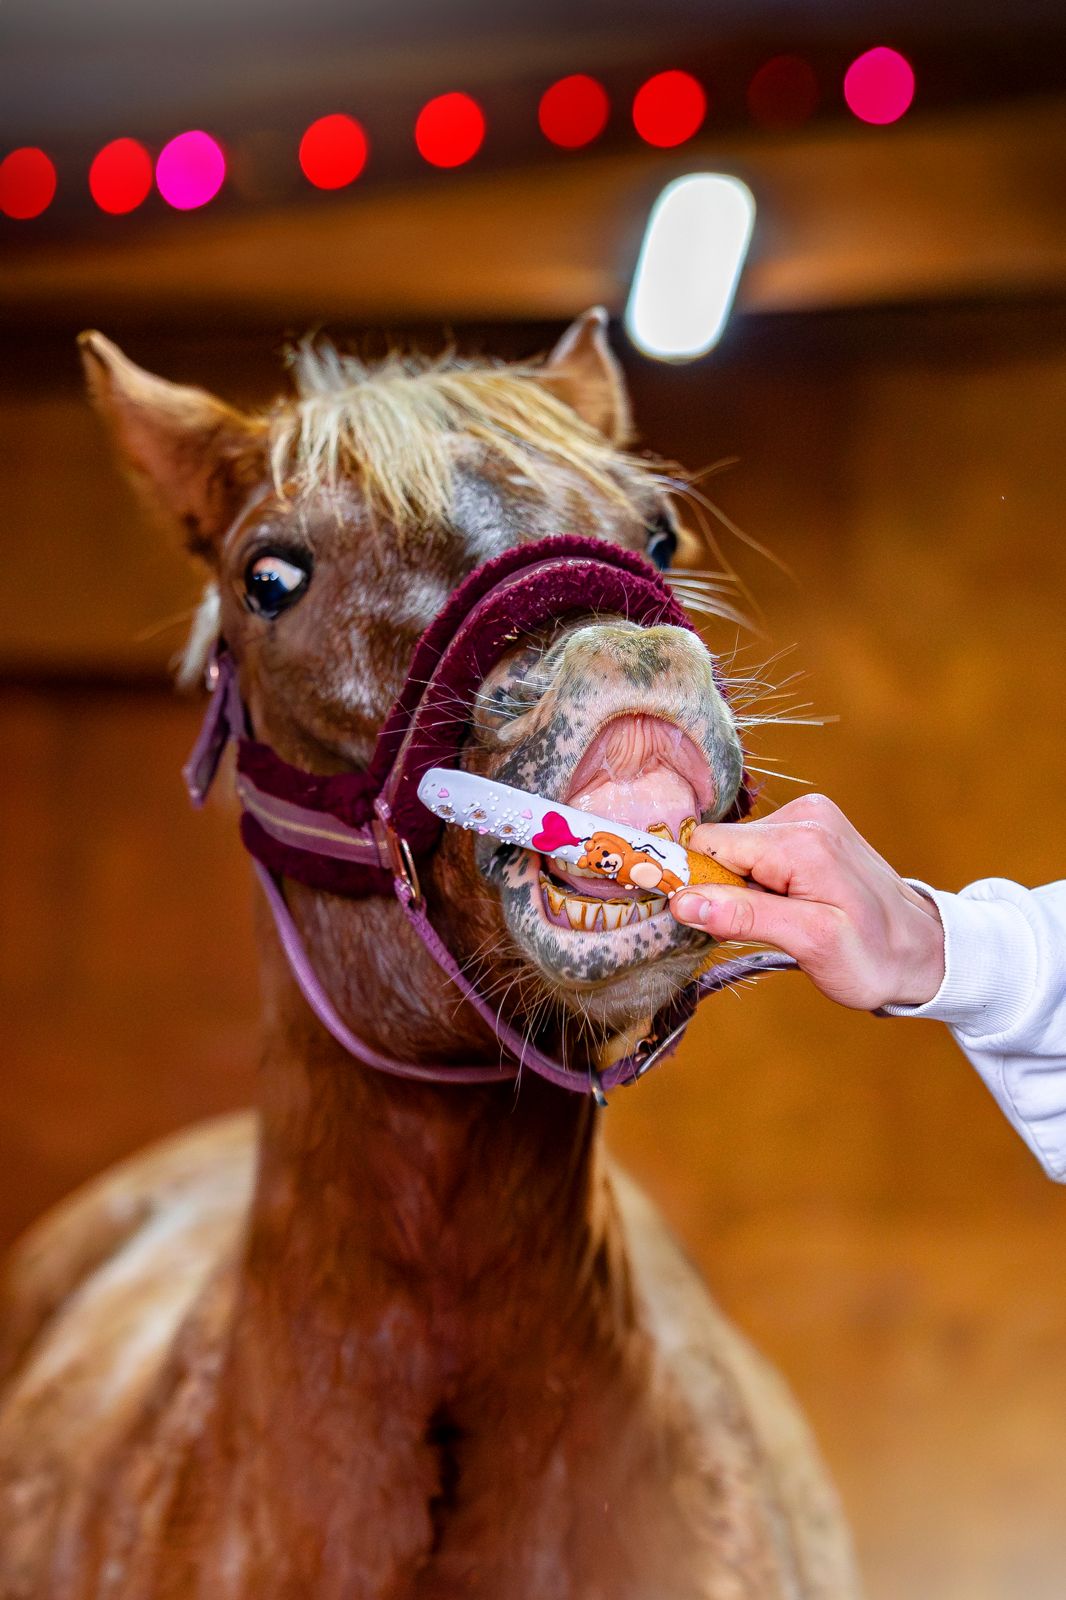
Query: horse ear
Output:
(584,373)
(193,457)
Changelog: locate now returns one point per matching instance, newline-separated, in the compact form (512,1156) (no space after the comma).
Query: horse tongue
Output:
(656,794)
(640,770)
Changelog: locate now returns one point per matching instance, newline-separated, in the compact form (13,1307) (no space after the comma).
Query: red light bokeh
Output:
(669,109)
(27,183)
(783,93)
(879,86)
(573,111)
(120,177)
(449,130)
(333,151)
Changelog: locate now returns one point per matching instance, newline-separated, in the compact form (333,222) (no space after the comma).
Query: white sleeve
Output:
(1004,999)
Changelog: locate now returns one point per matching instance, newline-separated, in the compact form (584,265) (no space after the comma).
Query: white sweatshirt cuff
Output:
(990,966)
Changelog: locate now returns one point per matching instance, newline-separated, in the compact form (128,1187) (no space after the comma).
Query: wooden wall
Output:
(846,1184)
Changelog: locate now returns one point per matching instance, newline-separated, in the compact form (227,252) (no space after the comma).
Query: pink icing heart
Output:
(553,833)
(527,813)
(442,794)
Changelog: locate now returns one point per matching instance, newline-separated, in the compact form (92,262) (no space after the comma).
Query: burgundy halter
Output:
(363,833)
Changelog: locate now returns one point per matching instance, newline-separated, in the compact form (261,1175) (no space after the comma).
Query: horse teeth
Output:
(569,867)
(575,912)
(587,915)
(649,908)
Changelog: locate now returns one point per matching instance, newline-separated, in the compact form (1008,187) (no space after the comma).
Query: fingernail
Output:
(692,907)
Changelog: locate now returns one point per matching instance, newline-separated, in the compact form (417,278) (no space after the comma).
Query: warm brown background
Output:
(846,1184)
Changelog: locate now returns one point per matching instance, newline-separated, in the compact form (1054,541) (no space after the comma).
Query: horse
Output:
(408,1335)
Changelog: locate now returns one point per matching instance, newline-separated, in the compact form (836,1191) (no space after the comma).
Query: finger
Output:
(769,853)
(827,816)
(734,844)
(816,811)
(752,917)
(810,807)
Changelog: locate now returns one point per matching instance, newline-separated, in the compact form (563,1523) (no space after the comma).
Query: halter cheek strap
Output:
(358,834)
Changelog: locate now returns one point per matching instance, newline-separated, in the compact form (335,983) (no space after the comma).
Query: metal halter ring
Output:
(402,862)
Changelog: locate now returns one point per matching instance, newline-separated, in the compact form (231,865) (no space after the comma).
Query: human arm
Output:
(990,962)
(1004,999)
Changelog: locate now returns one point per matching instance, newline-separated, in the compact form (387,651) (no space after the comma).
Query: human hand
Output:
(863,936)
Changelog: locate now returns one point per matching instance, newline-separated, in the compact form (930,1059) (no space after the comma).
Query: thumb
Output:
(749,915)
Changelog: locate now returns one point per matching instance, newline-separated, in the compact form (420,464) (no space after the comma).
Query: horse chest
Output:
(177,1488)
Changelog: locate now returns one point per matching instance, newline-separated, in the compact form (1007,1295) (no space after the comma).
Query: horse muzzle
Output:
(629,723)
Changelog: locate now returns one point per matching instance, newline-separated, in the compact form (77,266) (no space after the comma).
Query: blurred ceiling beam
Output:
(960,205)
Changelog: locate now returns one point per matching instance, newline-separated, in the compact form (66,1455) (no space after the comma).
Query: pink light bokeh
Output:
(190,170)
(879,85)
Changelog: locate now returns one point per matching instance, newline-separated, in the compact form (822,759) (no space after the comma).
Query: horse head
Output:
(334,527)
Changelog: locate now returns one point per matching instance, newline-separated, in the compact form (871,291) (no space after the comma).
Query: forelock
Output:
(392,428)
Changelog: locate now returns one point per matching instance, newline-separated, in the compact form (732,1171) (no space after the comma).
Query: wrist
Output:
(922,973)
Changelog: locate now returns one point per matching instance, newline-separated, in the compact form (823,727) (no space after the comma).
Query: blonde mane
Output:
(391,427)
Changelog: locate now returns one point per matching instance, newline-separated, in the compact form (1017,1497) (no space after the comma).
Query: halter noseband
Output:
(363,833)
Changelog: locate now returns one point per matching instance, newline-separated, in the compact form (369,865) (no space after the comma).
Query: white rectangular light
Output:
(694,247)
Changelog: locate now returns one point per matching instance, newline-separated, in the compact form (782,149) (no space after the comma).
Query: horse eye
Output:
(662,543)
(272,582)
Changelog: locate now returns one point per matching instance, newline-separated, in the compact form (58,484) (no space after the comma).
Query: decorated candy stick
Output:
(625,855)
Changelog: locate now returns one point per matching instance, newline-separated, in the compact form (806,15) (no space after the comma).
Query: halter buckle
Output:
(400,858)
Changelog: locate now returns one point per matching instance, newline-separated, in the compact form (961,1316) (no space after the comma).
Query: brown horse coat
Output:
(389,1341)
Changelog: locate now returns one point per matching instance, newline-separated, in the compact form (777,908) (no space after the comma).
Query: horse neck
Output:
(452,1209)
